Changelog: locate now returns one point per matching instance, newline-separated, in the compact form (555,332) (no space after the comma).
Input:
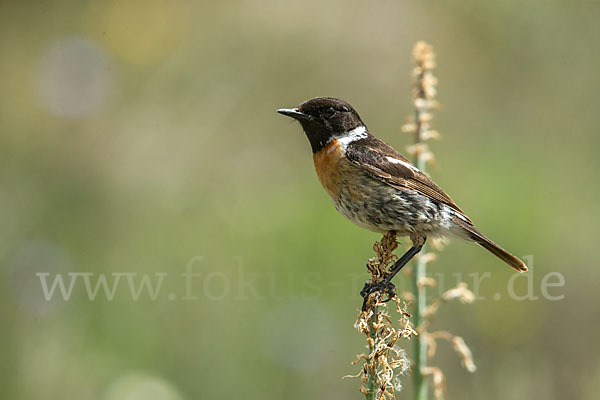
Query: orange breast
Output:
(327,164)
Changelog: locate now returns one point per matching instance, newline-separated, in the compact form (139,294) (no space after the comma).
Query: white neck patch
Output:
(352,136)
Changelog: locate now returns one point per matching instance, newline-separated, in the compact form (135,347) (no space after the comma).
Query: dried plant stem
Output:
(419,292)
(371,362)
(377,269)
(385,360)
(423,94)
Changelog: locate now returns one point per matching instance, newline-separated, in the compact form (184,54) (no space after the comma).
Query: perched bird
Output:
(377,188)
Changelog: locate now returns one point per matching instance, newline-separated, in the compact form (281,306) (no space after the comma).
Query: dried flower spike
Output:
(385,360)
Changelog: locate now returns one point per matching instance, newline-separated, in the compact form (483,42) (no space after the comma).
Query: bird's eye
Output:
(328,113)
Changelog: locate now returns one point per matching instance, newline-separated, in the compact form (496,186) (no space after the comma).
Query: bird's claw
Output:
(381,287)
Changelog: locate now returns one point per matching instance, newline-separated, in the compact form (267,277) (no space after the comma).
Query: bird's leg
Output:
(385,285)
(402,262)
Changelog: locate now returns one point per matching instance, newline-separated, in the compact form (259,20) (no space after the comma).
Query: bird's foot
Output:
(383,287)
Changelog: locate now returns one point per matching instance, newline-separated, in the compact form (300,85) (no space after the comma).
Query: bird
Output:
(377,188)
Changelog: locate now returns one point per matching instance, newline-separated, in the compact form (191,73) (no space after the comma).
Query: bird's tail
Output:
(472,233)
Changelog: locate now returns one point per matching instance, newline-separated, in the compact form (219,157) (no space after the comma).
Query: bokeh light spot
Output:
(74,78)
(141,386)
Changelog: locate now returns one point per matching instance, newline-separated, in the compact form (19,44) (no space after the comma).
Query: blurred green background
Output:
(141,137)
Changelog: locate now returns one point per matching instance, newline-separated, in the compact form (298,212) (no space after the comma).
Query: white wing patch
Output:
(404,163)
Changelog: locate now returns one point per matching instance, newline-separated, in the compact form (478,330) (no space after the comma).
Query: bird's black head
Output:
(324,118)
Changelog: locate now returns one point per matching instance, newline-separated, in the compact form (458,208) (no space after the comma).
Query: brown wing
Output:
(385,163)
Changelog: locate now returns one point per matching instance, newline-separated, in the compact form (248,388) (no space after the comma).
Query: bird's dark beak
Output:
(293,112)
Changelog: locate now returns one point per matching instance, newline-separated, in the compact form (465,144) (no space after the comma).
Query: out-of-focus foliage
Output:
(140,137)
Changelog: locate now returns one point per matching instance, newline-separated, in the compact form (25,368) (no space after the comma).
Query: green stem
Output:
(372,376)
(420,357)
(420,271)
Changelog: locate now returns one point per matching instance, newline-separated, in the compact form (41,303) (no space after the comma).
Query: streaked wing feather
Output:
(372,154)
